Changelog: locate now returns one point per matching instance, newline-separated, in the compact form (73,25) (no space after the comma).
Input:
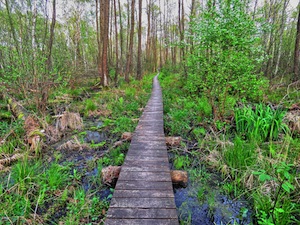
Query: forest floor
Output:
(232,178)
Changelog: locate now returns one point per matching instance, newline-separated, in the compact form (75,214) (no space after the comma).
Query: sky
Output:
(64,6)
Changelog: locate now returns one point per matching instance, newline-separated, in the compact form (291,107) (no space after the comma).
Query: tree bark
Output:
(148,44)
(297,48)
(129,55)
(139,56)
(51,39)
(117,47)
(121,38)
(285,3)
(104,30)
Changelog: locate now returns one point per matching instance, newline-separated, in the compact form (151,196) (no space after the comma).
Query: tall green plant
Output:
(263,123)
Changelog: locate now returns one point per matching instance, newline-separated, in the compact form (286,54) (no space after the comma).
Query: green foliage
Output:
(56,176)
(182,162)
(117,157)
(223,59)
(23,174)
(276,208)
(122,124)
(203,107)
(98,145)
(261,124)
(90,105)
(240,155)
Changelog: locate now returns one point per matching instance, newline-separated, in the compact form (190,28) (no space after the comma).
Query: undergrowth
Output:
(50,188)
(251,147)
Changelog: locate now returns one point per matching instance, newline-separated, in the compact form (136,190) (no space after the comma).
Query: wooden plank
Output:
(143,193)
(147,158)
(147,144)
(148,148)
(146,168)
(163,203)
(149,176)
(145,163)
(144,185)
(134,213)
(148,153)
(148,139)
(110,221)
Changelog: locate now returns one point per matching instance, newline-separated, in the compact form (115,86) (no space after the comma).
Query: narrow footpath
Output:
(144,193)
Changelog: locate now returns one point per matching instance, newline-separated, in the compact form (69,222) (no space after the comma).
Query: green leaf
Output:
(280,210)
(288,187)
(264,177)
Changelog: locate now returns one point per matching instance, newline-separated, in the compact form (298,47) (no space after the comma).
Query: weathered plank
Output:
(144,185)
(146,168)
(164,203)
(139,213)
(143,194)
(110,221)
(149,176)
(147,158)
(144,163)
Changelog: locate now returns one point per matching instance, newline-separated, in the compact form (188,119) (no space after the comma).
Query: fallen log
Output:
(111,174)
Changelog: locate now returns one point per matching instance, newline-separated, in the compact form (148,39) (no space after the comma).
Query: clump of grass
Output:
(263,123)
(240,155)
(90,105)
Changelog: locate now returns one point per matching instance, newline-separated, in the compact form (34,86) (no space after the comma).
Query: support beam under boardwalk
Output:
(144,193)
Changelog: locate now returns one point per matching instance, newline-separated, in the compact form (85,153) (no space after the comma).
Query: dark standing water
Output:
(211,208)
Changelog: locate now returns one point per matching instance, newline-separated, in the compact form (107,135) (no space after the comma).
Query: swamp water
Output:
(199,204)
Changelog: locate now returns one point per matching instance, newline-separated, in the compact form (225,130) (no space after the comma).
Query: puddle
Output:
(205,205)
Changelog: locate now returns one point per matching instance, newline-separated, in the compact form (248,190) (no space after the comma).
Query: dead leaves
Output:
(73,144)
(7,160)
(69,120)
(33,133)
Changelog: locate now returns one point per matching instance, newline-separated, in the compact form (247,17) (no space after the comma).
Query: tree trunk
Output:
(148,44)
(105,45)
(117,48)
(285,3)
(104,30)
(129,55)
(51,39)
(99,36)
(297,48)
(139,56)
(121,38)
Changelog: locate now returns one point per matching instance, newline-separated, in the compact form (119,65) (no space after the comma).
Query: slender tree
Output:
(116,39)
(51,39)
(139,56)
(104,30)
(121,37)
(297,48)
(130,49)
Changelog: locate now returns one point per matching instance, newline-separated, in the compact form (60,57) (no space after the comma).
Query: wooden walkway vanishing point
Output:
(144,193)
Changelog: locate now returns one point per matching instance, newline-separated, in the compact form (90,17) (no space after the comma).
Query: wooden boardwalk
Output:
(144,192)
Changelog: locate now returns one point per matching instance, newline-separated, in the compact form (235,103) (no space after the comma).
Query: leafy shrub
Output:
(223,60)
(204,107)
